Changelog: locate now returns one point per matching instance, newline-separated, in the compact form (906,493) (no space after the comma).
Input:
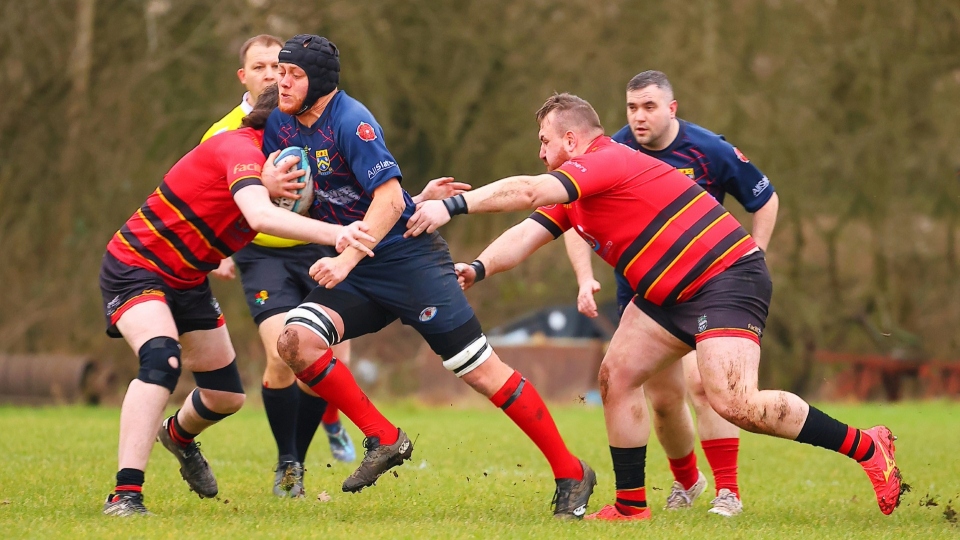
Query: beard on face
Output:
(291,109)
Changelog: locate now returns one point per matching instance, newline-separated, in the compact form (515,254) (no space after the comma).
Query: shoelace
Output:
(678,495)
(370,444)
(557,498)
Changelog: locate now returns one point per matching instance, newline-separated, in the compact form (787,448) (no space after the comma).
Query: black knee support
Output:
(203,411)
(155,365)
(225,379)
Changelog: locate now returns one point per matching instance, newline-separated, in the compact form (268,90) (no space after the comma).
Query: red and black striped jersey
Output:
(191,222)
(657,227)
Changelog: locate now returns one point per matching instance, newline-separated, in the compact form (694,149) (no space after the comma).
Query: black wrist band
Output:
(479,269)
(456,205)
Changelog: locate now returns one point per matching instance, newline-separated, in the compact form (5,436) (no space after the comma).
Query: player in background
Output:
(719,168)
(157,297)
(700,282)
(411,279)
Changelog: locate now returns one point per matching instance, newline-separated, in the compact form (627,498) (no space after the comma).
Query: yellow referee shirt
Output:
(230,122)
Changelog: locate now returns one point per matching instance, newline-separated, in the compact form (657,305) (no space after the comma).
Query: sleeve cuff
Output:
(568,184)
(547,223)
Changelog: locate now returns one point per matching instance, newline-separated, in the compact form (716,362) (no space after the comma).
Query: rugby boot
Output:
(193,467)
(726,504)
(341,446)
(288,481)
(610,513)
(378,459)
(882,469)
(683,498)
(125,504)
(571,497)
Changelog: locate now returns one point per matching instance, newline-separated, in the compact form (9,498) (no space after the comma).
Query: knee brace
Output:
(203,411)
(225,379)
(470,357)
(313,317)
(155,365)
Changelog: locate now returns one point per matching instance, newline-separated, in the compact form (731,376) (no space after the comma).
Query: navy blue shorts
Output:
(124,286)
(411,280)
(276,280)
(624,293)
(734,303)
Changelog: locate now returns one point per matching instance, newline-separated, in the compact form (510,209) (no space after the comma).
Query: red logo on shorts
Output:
(740,155)
(365,132)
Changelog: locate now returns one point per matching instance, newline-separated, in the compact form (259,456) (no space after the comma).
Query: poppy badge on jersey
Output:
(365,132)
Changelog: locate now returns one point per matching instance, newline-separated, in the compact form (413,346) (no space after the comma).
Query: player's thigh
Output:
(275,280)
(145,321)
(640,347)
(134,303)
(207,350)
(415,281)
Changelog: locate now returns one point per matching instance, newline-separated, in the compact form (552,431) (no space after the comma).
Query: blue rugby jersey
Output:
(348,160)
(709,160)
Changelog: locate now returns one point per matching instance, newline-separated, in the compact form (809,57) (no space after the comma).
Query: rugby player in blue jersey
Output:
(719,168)
(410,279)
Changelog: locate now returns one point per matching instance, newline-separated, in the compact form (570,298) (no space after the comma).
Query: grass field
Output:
(473,475)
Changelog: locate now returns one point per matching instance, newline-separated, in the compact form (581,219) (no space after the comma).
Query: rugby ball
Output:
(301,205)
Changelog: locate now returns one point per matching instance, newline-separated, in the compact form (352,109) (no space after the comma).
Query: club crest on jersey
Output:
(261,298)
(365,132)
(323,162)
(740,155)
(688,172)
(428,314)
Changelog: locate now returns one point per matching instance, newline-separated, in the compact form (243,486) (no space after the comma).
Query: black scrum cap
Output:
(319,58)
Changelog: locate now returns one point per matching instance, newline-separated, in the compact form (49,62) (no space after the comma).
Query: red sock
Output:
(631,502)
(176,431)
(685,470)
(520,400)
(857,445)
(335,384)
(722,457)
(331,415)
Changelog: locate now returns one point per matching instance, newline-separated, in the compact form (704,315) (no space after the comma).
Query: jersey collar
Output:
(245,105)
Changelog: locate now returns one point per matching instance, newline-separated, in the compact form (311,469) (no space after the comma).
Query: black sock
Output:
(280,405)
(309,415)
(821,430)
(129,480)
(629,469)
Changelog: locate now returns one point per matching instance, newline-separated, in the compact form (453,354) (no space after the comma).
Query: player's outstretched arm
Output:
(507,251)
(441,188)
(506,195)
(263,216)
(578,251)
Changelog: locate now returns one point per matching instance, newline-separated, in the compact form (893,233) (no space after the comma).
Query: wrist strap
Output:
(479,269)
(456,205)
